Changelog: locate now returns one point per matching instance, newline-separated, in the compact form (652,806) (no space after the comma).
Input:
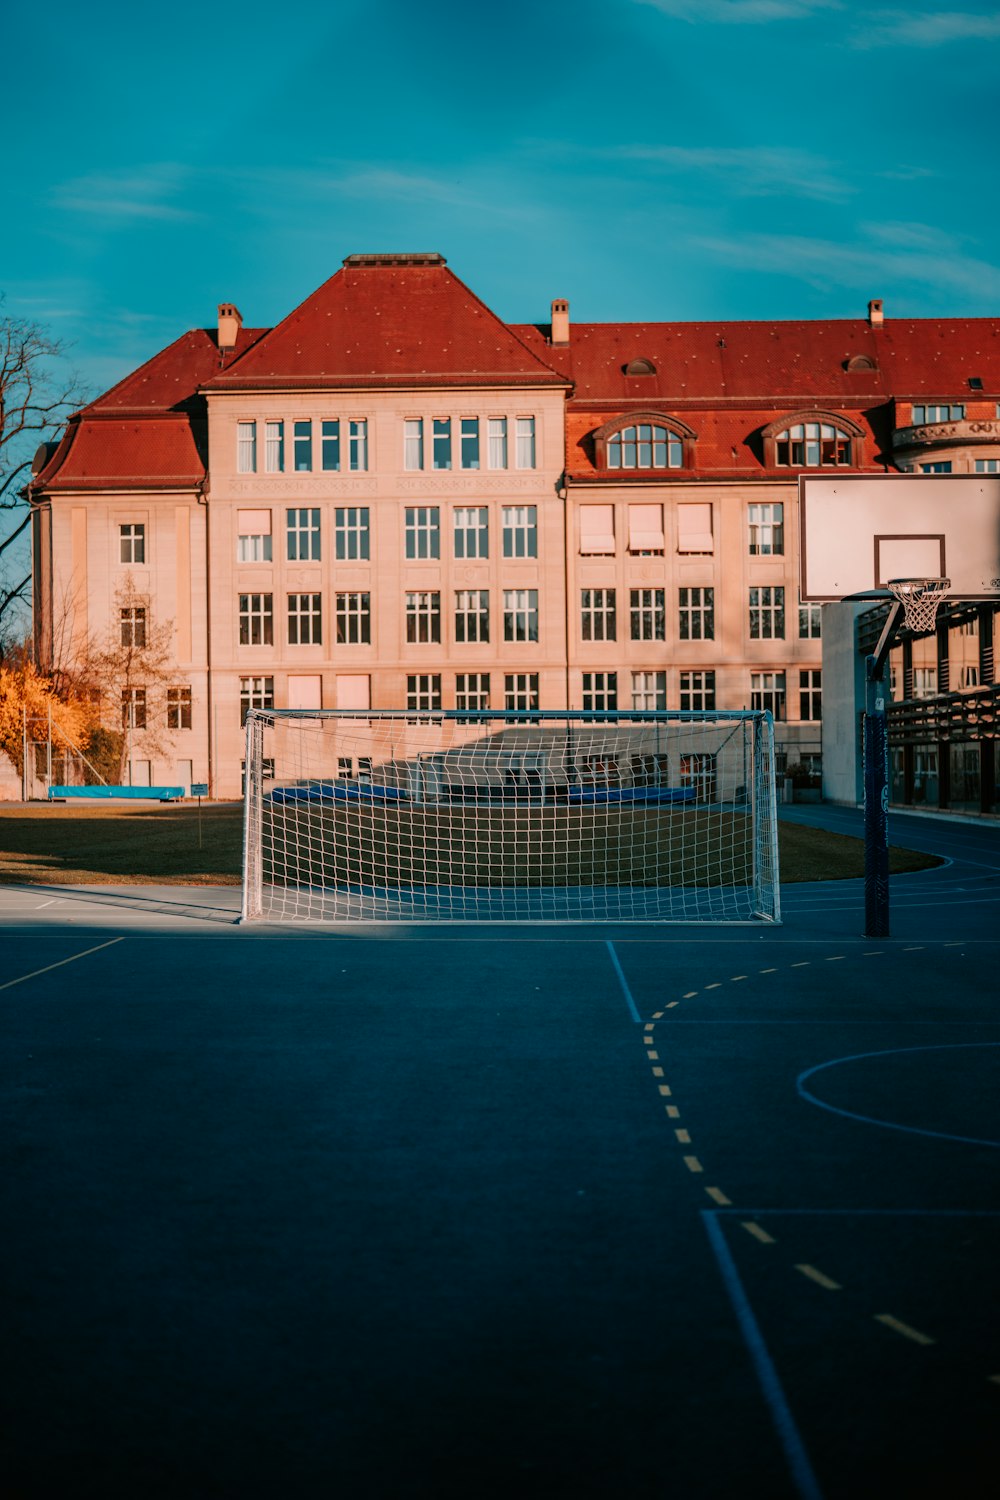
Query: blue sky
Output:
(647,159)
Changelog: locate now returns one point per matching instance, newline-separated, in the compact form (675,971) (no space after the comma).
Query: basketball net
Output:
(921,599)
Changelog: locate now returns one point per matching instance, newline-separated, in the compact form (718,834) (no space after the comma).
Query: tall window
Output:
(423,616)
(472,691)
(520,614)
(597,530)
(134,708)
(132,542)
(441,442)
(302,444)
(925,682)
(255,692)
(253,540)
(472,537)
(598,620)
(498,442)
(133,625)
(423,531)
(767,691)
(413,443)
(274,447)
(694,527)
(697,614)
(648,614)
(330,445)
(645,446)
(423,692)
(303,535)
(472,615)
(520,691)
(767,614)
(350,523)
(256,620)
(354,619)
(520,531)
(524,428)
(649,690)
(645,530)
(924,414)
(698,691)
(357,444)
(305,620)
(469,442)
(246,447)
(600,690)
(178,708)
(767,530)
(810,622)
(810,693)
(812,445)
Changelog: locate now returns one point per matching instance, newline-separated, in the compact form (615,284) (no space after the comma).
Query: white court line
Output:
(49,967)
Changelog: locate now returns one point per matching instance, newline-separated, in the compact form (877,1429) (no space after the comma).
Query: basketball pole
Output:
(876,780)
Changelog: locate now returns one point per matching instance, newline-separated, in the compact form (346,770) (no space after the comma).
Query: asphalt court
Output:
(629,1211)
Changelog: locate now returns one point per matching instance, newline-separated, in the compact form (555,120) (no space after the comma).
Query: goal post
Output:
(474,816)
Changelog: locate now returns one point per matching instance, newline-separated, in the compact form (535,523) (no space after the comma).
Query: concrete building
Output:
(392,499)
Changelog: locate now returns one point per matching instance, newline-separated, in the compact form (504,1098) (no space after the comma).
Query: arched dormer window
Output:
(644,441)
(859,362)
(640,367)
(813,440)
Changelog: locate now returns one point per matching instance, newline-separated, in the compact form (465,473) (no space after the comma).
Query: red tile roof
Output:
(149,452)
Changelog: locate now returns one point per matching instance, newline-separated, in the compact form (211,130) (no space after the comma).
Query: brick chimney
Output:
(875,317)
(560,321)
(230,323)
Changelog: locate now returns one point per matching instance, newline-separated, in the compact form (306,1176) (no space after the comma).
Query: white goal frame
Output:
(480,816)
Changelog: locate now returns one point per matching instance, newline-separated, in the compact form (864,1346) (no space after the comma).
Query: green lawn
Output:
(72,845)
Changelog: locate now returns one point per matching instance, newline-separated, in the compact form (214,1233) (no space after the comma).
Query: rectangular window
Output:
(351,533)
(302,442)
(423,531)
(255,692)
(472,615)
(600,690)
(274,447)
(597,530)
(698,691)
(469,442)
(132,543)
(647,608)
(598,619)
(520,531)
(413,443)
(330,446)
(423,692)
(357,444)
(520,692)
(810,693)
(968,677)
(256,620)
(924,414)
(423,617)
(472,692)
(246,447)
(810,622)
(694,528)
(305,620)
(134,708)
(942,466)
(697,614)
(645,530)
(767,614)
(767,530)
(925,682)
(133,621)
(178,708)
(303,535)
(767,692)
(472,538)
(253,541)
(525,430)
(520,614)
(441,442)
(354,619)
(498,442)
(649,690)
(988,465)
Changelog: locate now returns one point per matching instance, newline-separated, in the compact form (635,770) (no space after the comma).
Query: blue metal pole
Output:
(876,778)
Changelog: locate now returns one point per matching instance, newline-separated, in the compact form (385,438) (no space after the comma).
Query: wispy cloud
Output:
(905,28)
(740,12)
(750,171)
(124,196)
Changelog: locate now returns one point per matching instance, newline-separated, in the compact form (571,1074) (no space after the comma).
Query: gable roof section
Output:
(389,322)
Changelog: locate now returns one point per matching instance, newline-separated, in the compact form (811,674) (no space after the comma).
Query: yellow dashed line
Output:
(649,1026)
(819,1278)
(803,965)
(664,1088)
(657,1015)
(657,1072)
(837,958)
(714,986)
(757,1232)
(672,1003)
(650,1041)
(718,1196)
(904,1328)
(736,978)
(683,1137)
(653,1056)
(690,995)
(873,953)
(767,971)
(917,949)
(693,1164)
(673,1112)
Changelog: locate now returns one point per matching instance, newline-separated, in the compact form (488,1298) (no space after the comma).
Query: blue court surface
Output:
(523,1210)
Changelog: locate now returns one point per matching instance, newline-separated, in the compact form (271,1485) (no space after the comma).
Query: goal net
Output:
(472,816)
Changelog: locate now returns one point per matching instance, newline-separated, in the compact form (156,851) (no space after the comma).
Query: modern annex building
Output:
(395,500)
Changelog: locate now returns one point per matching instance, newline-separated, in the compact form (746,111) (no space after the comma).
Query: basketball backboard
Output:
(857,531)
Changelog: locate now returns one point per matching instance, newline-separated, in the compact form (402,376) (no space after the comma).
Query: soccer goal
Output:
(364,815)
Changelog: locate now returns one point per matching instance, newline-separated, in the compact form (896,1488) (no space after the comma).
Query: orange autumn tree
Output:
(26,695)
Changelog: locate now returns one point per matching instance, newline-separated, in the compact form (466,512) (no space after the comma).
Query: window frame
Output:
(611,432)
(307,535)
(781,428)
(132,539)
(472,616)
(352,617)
(256,620)
(351,538)
(179,706)
(423,617)
(305,619)
(694,611)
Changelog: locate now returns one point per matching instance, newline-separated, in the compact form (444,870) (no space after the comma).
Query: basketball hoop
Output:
(921,599)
